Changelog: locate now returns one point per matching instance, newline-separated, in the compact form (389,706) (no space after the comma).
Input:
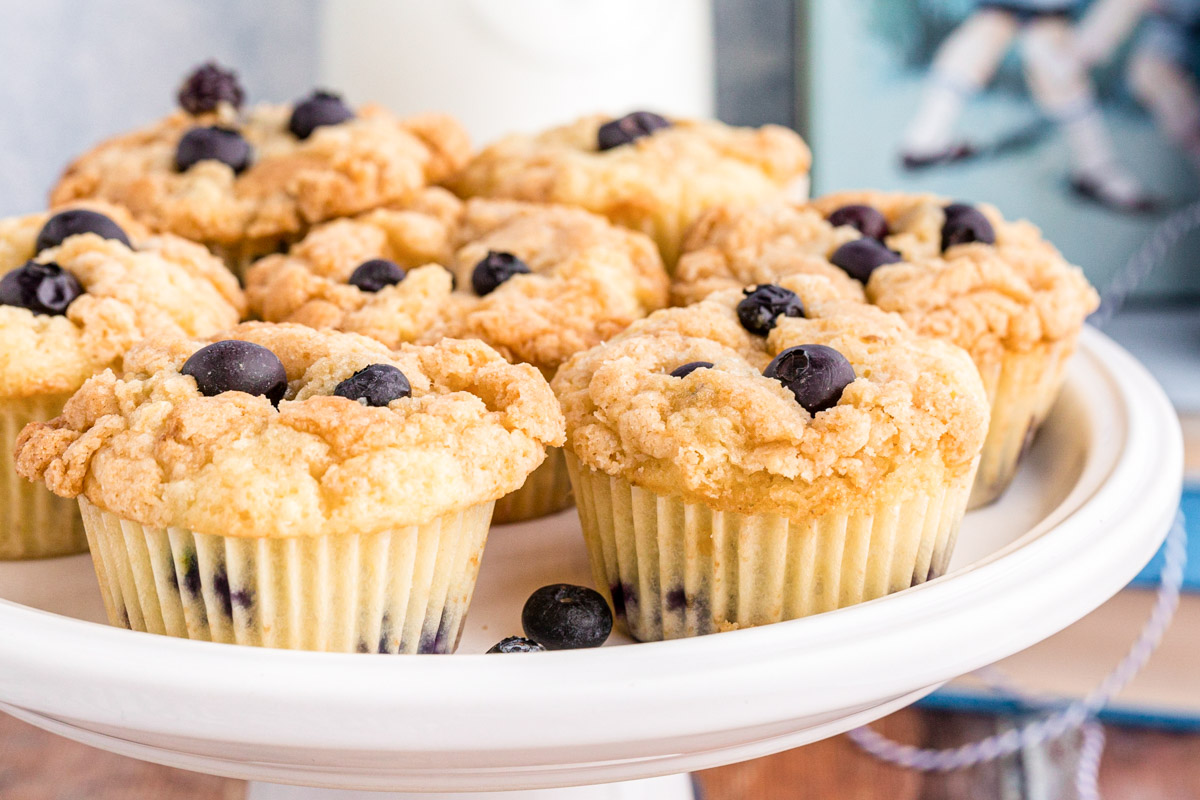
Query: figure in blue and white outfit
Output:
(967,61)
(1162,68)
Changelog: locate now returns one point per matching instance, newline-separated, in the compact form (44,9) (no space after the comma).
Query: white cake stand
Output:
(1089,508)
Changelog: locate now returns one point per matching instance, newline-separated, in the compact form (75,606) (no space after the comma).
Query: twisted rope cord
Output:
(1079,714)
(1152,253)
(1068,717)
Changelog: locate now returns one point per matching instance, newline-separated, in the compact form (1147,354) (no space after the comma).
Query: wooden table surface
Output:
(1137,765)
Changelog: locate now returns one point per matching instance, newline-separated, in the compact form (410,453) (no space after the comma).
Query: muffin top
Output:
(863,408)
(83,284)
(212,173)
(537,282)
(362,438)
(959,272)
(640,169)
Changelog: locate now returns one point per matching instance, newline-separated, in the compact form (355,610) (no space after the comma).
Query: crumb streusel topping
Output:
(588,278)
(658,184)
(164,286)
(731,438)
(148,446)
(1015,294)
(371,160)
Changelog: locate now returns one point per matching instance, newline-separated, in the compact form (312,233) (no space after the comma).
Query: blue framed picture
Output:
(1081,115)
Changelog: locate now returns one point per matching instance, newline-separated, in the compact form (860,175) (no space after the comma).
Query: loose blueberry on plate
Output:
(865,219)
(74,221)
(213,143)
(965,224)
(764,304)
(232,365)
(494,269)
(373,275)
(814,373)
(629,128)
(317,110)
(687,369)
(42,288)
(516,644)
(209,86)
(861,257)
(376,385)
(566,617)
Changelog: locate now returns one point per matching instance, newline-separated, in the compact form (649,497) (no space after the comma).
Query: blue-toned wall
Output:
(862,99)
(74,72)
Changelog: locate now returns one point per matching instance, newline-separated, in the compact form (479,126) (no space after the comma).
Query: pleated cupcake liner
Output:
(34,523)
(400,591)
(673,569)
(546,491)
(1022,388)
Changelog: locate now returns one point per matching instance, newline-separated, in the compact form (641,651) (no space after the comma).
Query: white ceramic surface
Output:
(1088,509)
(521,65)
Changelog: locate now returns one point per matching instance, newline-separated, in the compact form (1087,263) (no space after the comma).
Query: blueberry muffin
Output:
(286,487)
(246,182)
(765,454)
(642,171)
(537,282)
(958,272)
(79,288)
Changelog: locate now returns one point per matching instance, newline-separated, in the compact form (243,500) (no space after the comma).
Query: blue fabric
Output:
(1148,578)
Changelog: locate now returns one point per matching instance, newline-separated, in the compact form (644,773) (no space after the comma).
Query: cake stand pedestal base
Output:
(670,787)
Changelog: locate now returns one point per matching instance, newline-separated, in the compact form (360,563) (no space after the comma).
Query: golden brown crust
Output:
(370,161)
(1015,295)
(589,278)
(659,184)
(165,286)
(149,447)
(738,441)
(731,247)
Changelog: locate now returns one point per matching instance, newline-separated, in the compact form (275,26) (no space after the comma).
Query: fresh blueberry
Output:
(213,143)
(377,385)
(42,288)
(494,269)
(208,86)
(861,257)
(965,224)
(373,275)
(687,369)
(318,109)
(867,220)
(516,644)
(566,617)
(628,128)
(74,221)
(763,304)
(232,365)
(814,373)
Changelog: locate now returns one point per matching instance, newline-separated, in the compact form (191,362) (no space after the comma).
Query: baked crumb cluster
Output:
(1011,294)
(163,285)
(587,279)
(288,184)
(148,446)
(658,183)
(736,440)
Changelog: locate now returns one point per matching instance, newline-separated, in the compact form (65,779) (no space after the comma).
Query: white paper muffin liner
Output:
(1021,388)
(673,569)
(400,591)
(546,491)
(34,523)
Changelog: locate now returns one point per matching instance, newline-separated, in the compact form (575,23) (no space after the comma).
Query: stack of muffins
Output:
(430,341)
